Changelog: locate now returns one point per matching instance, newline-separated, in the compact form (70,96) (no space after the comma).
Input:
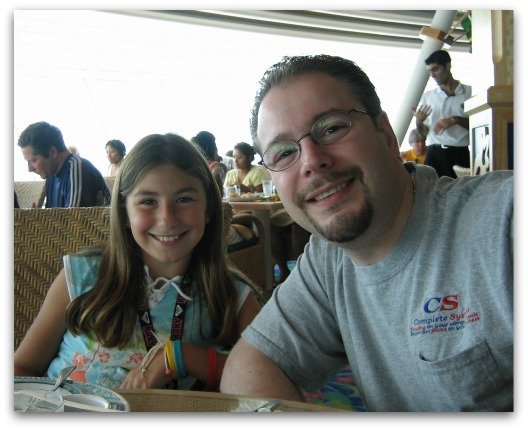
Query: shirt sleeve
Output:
(74,194)
(297,327)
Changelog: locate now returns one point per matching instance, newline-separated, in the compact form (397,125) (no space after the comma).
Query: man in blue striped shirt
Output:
(71,181)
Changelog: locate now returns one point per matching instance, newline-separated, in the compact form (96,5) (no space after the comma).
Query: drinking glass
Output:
(232,191)
(267,187)
(38,400)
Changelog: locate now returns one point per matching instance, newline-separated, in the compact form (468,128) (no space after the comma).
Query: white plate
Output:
(45,384)
(80,400)
(73,387)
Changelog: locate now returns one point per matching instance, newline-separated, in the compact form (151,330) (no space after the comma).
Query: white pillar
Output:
(442,20)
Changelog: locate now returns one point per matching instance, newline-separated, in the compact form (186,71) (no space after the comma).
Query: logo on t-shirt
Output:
(441,314)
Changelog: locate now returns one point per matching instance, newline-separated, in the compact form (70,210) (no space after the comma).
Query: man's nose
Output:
(313,157)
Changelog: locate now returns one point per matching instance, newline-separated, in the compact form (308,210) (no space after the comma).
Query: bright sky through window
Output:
(100,76)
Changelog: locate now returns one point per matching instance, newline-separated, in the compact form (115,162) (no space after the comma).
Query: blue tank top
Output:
(108,367)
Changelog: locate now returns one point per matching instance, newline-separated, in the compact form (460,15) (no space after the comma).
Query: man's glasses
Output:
(326,130)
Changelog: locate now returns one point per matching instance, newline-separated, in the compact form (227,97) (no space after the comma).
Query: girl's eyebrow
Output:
(149,192)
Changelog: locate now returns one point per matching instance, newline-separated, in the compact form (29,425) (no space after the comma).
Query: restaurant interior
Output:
(43,236)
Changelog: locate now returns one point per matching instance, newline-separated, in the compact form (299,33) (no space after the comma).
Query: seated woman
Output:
(246,175)
(115,151)
(287,237)
(239,236)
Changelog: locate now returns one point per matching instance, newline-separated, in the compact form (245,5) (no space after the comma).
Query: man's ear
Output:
(385,128)
(52,151)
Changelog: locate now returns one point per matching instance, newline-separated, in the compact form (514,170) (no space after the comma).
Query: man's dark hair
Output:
(206,142)
(41,136)
(340,68)
(438,57)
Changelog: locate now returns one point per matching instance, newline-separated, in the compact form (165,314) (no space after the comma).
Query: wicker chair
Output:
(43,236)
(249,260)
(29,192)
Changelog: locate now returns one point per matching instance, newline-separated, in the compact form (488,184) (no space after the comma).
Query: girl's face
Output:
(166,214)
(113,154)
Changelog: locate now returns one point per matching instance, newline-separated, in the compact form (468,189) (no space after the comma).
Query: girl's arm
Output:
(195,358)
(42,340)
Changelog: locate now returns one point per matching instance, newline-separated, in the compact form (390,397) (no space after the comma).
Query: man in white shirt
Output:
(442,112)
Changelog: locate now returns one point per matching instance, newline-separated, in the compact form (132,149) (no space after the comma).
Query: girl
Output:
(161,284)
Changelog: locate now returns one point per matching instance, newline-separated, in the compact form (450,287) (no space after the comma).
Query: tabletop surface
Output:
(158,400)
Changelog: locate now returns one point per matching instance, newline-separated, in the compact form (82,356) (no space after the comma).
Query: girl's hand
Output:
(153,377)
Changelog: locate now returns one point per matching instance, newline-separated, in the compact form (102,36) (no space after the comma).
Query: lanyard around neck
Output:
(178,316)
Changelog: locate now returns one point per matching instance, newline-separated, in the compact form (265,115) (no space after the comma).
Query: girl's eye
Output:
(184,199)
(148,202)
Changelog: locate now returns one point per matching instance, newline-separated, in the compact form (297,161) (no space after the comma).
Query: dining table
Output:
(262,210)
(161,400)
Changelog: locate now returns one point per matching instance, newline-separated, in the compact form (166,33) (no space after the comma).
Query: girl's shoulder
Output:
(82,270)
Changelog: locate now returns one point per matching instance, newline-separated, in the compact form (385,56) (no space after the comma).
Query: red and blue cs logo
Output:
(441,304)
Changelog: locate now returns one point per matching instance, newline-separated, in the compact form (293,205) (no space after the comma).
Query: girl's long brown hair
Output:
(108,312)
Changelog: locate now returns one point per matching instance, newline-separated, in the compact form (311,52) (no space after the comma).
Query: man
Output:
(418,148)
(206,142)
(71,181)
(442,111)
(406,276)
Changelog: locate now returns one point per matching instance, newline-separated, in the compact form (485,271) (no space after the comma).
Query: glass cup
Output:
(37,400)
(232,191)
(267,187)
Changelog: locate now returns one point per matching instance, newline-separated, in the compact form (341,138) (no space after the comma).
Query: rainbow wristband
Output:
(178,358)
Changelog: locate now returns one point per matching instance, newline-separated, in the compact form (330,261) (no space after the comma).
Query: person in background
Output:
(73,150)
(246,175)
(112,311)
(115,152)
(287,238)
(238,234)
(228,160)
(206,142)
(407,277)
(71,181)
(441,118)
(418,148)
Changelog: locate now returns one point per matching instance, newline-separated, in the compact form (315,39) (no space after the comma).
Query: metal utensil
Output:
(63,374)
(269,406)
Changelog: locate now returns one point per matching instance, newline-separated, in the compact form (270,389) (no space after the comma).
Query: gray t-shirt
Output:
(428,328)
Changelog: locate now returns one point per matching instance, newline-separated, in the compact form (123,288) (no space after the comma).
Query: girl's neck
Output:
(156,280)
